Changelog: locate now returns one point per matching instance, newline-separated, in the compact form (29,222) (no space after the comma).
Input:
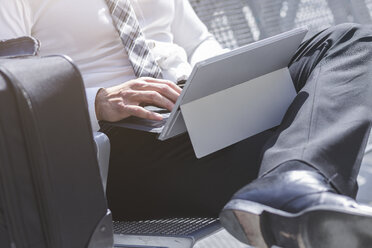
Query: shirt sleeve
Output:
(15,19)
(191,34)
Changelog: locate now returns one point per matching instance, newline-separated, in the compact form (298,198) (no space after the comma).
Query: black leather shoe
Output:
(296,209)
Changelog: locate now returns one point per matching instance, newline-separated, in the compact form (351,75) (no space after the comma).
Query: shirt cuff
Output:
(91,98)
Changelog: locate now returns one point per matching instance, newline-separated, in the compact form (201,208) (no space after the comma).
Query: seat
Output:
(175,232)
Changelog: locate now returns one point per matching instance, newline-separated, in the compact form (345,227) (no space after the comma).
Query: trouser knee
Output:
(348,33)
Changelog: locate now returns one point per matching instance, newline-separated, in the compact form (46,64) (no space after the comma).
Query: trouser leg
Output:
(327,125)
(149,178)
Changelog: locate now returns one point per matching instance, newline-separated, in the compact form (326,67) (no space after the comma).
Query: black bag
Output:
(50,188)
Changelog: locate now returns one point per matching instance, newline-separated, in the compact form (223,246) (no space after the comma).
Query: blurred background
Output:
(239,22)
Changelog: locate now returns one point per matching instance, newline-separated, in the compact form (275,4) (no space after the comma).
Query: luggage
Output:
(51,193)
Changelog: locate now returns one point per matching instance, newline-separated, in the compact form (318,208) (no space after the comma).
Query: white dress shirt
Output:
(83,30)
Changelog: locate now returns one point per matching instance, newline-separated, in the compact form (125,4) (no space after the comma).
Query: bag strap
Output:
(19,47)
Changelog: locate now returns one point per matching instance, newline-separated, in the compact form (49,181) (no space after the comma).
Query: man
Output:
(307,167)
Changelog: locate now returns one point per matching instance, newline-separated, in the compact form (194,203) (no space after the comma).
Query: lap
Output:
(149,178)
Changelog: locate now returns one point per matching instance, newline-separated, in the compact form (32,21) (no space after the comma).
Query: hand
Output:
(118,102)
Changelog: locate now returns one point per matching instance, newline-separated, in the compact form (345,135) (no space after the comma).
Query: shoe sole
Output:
(319,227)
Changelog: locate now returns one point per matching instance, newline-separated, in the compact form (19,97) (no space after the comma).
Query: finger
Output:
(142,113)
(163,81)
(163,89)
(153,98)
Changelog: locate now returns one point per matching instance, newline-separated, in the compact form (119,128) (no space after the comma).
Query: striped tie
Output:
(123,16)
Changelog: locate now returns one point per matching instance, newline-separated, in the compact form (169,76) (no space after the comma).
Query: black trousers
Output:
(326,127)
